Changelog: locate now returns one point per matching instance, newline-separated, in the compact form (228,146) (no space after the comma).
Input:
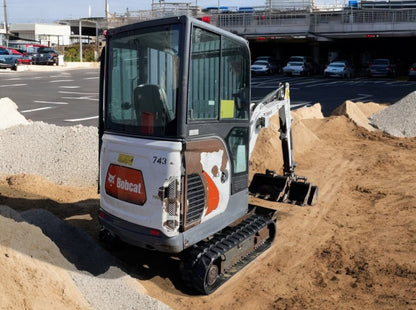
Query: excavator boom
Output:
(289,187)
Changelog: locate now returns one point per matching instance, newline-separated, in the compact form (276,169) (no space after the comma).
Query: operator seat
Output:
(151,109)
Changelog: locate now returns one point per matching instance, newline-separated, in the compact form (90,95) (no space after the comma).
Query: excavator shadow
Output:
(74,228)
(161,269)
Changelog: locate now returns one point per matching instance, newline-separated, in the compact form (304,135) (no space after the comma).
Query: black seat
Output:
(150,106)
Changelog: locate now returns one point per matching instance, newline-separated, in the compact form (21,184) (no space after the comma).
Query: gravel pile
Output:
(399,119)
(95,272)
(69,156)
(63,155)
(103,285)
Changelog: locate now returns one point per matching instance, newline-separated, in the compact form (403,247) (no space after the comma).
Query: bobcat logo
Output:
(111,178)
(125,184)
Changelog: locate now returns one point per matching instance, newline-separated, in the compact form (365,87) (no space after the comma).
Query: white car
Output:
(297,68)
(339,68)
(263,67)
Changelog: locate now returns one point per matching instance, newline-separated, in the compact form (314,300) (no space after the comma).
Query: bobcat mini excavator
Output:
(177,129)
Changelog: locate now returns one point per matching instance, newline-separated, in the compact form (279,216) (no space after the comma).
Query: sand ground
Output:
(355,249)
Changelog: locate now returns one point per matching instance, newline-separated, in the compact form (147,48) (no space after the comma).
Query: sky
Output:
(42,11)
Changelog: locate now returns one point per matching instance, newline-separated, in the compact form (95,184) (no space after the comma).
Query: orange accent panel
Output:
(213,194)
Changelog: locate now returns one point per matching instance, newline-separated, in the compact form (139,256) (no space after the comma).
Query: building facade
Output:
(46,34)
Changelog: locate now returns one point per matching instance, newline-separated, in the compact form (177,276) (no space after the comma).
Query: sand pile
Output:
(356,248)
(268,141)
(34,273)
(50,264)
(359,112)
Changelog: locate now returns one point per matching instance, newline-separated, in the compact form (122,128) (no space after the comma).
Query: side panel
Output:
(207,167)
(140,181)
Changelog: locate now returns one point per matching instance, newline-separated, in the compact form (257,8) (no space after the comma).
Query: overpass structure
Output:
(321,25)
(358,34)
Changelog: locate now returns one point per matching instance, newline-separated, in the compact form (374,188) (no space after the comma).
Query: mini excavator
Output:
(177,128)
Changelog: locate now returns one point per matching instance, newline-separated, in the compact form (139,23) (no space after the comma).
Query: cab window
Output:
(219,78)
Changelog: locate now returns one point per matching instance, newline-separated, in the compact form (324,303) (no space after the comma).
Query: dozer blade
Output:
(269,186)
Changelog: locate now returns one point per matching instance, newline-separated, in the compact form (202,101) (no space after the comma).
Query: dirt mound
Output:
(33,269)
(359,112)
(355,249)
(58,266)
(268,149)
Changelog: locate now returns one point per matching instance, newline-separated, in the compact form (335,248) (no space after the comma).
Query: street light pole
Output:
(80,40)
(6,24)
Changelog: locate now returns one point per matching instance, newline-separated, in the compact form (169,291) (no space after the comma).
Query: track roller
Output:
(208,264)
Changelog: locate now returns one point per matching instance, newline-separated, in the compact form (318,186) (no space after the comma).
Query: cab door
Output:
(217,137)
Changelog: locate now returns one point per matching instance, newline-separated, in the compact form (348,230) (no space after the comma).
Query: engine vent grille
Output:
(196,198)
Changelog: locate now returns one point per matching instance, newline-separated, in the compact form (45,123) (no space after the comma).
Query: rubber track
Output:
(203,254)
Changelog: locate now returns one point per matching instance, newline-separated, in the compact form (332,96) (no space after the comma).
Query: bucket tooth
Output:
(313,196)
(269,186)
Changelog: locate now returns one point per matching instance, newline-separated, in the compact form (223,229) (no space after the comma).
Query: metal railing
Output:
(272,21)
(280,22)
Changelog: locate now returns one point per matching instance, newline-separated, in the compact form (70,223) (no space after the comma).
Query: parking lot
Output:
(54,95)
(68,97)
(331,92)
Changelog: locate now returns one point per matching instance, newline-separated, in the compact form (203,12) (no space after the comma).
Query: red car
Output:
(27,60)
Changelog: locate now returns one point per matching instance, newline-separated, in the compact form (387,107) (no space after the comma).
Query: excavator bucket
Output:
(274,187)
(268,186)
(299,192)
(313,196)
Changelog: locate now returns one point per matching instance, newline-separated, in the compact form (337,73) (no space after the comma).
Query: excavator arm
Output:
(289,187)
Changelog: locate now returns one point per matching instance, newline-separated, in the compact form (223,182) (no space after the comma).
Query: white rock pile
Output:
(399,119)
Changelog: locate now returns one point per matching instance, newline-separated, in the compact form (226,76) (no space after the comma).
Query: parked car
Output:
(8,60)
(339,68)
(313,66)
(412,72)
(43,55)
(297,68)
(264,67)
(382,67)
(273,61)
(27,60)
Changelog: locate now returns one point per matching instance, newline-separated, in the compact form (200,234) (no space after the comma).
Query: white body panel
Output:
(159,163)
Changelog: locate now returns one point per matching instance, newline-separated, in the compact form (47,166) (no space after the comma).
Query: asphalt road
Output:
(332,92)
(61,97)
(70,97)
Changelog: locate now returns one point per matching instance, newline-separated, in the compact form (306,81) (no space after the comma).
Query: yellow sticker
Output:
(227,109)
(125,159)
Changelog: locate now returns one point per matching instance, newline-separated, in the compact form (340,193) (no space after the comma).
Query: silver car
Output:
(339,69)
(297,68)
(263,67)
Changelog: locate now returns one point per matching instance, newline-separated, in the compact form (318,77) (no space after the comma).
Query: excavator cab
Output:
(174,132)
(175,139)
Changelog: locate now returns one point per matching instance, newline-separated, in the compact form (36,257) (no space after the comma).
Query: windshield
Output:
(295,63)
(381,62)
(46,50)
(337,65)
(143,75)
(261,62)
